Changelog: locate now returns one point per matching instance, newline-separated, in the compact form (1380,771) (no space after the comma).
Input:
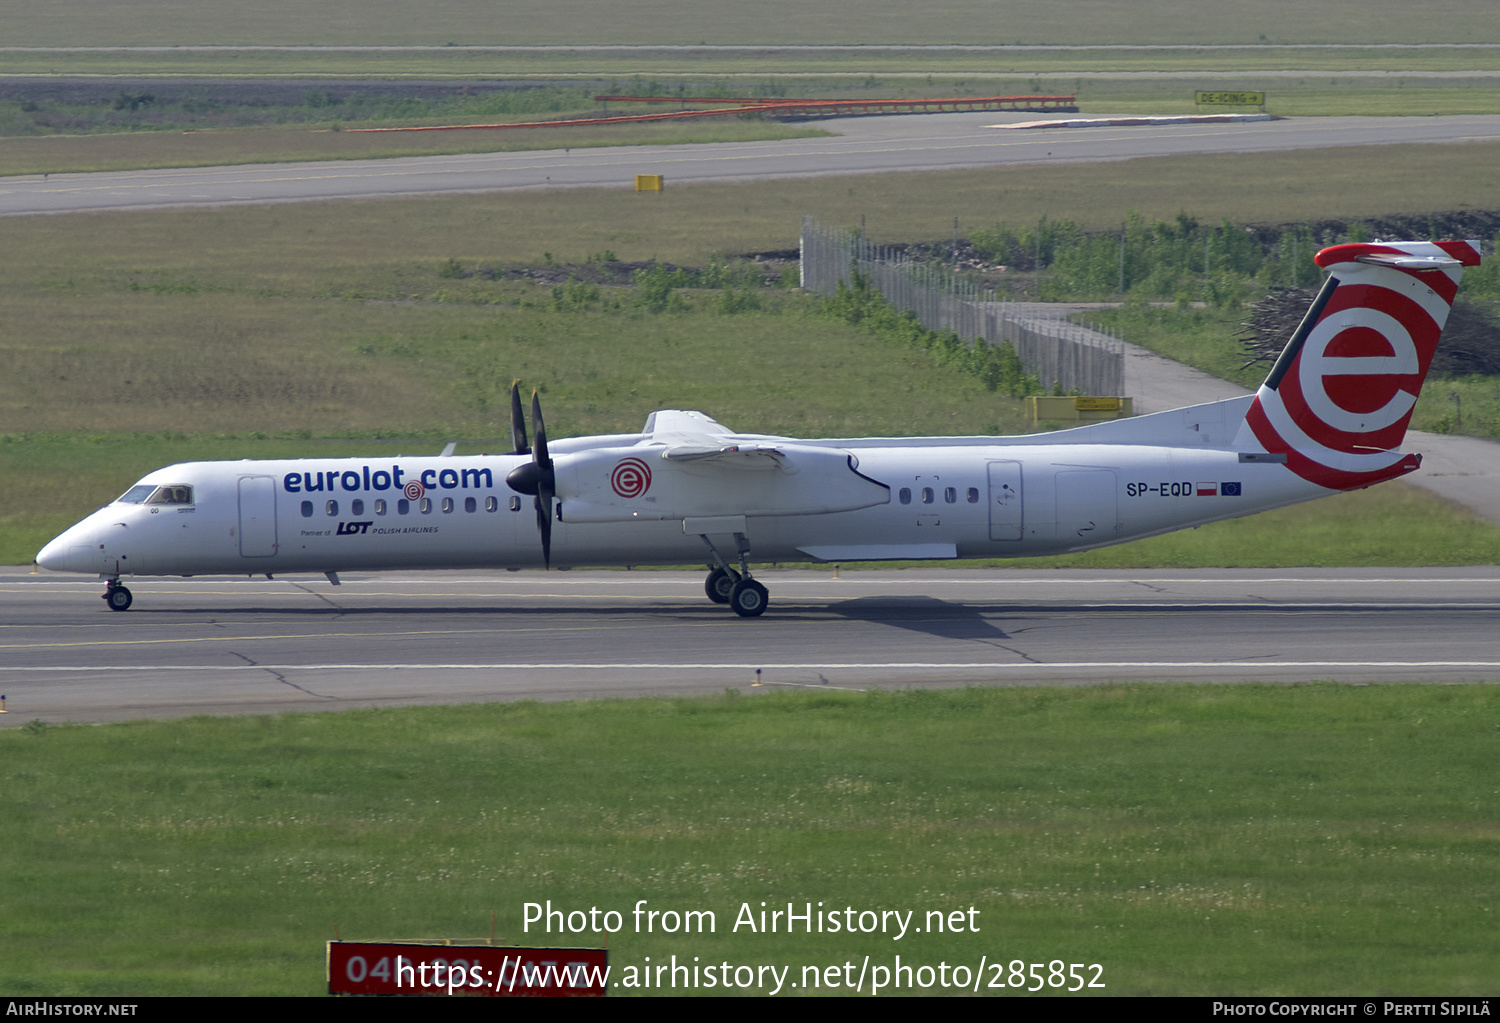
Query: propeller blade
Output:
(546,479)
(540,427)
(517,422)
(536,477)
(544,519)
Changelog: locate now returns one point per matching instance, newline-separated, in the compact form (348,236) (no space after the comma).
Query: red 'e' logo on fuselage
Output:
(631,478)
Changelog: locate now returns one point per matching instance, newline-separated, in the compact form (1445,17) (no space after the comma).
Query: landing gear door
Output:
(1005,500)
(257,516)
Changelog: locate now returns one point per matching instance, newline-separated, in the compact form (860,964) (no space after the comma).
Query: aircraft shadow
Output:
(939,618)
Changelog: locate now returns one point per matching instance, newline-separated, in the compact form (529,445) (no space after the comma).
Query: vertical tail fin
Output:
(1339,398)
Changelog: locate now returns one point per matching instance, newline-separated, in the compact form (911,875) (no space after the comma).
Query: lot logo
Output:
(354,528)
(631,478)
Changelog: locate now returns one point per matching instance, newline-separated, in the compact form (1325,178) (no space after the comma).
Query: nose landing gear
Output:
(116,596)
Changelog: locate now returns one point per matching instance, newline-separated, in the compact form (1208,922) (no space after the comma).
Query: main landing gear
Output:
(116,596)
(724,585)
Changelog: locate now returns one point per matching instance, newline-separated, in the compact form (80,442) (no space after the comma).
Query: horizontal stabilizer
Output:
(1409,262)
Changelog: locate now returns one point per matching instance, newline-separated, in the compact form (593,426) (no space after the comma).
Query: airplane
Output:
(1330,417)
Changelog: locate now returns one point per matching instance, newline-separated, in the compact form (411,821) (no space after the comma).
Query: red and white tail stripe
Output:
(1340,396)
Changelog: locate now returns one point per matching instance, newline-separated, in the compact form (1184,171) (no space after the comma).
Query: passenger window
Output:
(906,495)
(950,495)
(333,507)
(470,504)
(403,506)
(491,503)
(928,496)
(973,495)
(356,507)
(515,504)
(425,506)
(447,505)
(307,509)
(380,506)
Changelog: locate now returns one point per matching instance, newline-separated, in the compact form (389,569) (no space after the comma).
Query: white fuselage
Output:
(961,499)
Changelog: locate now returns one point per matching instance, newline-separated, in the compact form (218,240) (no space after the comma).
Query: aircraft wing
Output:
(651,481)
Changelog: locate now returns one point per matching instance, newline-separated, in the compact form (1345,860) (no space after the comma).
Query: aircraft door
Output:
(257,516)
(1087,505)
(1005,500)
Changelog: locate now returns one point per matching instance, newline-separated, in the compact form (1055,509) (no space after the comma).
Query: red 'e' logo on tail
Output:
(1339,409)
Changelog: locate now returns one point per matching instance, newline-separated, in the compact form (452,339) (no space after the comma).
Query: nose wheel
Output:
(117,597)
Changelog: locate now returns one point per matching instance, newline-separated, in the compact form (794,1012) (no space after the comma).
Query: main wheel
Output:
(719,584)
(749,598)
(118,598)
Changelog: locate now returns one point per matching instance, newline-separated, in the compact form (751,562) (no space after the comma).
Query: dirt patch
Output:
(1470,343)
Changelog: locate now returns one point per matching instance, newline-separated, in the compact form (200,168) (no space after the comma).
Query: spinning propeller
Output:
(537,476)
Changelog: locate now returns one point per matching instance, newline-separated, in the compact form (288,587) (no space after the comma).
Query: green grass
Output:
(1467,405)
(872,66)
(1202,338)
(473,22)
(53,154)
(1192,840)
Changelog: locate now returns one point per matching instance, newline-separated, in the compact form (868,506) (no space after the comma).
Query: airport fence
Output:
(1058,352)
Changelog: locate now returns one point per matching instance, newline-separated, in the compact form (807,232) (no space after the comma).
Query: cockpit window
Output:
(171,495)
(137,493)
(147,493)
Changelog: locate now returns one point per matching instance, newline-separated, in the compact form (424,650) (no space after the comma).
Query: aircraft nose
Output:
(53,557)
(67,553)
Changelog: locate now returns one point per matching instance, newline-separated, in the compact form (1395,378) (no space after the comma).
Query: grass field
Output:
(872,66)
(1190,840)
(677,22)
(54,154)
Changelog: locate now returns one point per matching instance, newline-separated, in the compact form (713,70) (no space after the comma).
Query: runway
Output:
(253,646)
(870,145)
